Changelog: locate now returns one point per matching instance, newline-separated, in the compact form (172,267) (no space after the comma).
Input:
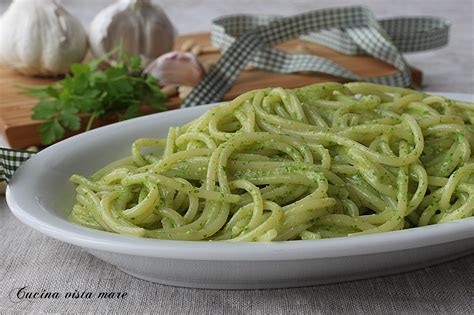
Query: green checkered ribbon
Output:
(247,39)
(10,160)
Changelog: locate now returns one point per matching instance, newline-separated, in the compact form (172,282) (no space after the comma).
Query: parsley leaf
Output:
(45,109)
(69,119)
(89,89)
(51,131)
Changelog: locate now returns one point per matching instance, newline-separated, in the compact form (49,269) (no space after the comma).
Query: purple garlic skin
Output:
(177,68)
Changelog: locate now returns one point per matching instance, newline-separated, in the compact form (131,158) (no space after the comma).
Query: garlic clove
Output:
(177,68)
(170,90)
(184,91)
(143,28)
(40,38)
(188,45)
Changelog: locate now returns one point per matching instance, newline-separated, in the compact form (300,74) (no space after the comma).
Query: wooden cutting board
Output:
(20,131)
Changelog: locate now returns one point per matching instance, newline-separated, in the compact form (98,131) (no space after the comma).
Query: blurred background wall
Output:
(448,69)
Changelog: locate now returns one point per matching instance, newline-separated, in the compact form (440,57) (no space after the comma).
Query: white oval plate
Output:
(41,196)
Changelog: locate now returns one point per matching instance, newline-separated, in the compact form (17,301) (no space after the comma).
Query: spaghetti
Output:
(326,160)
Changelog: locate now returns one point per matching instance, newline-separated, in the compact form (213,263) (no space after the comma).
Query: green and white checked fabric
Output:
(408,34)
(10,161)
(247,39)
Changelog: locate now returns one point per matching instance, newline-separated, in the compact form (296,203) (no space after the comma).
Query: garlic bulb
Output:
(177,68)
(40,38)
(143,27)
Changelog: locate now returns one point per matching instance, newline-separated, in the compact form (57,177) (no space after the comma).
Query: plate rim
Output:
(225,251)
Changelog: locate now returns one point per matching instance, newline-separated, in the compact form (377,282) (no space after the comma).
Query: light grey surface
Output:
(29,258)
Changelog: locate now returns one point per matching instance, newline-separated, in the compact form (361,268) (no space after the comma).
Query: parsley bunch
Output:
(120,89)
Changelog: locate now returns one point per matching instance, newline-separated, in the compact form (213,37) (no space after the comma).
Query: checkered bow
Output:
(248,39)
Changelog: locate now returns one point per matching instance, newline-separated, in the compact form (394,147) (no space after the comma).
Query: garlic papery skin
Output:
(40,38)
(177,68)
(142,27)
